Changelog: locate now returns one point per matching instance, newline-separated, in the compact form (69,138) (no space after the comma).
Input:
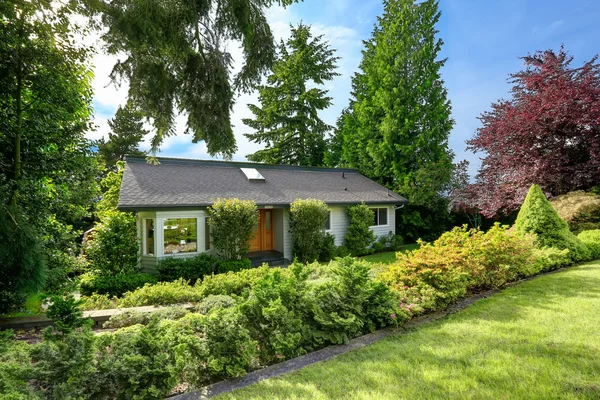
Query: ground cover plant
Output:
(534,340)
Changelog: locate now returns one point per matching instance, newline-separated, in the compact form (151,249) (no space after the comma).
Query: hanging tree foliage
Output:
(176,59)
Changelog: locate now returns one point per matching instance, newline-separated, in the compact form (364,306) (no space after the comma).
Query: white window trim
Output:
(159,240)
(388,217)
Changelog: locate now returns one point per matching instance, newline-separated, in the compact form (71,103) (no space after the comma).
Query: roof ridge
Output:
(239,164)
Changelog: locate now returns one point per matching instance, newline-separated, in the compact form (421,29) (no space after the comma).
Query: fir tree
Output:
(397,126)
(127,132)
(287,120)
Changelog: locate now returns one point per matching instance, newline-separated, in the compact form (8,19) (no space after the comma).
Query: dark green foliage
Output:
(359,237)
(47,167)
(176,60)
(113,247)
(538,218)
(390,242)
(127,131)
(195,268)
(188,268)
(115,285)
(350,303)
(134,362)
(287,120)
(22,267)
(275,312)
(397,125)
(212,302)
(342,251)
(66,313)
(328,249)
(232,225)
(307,221)
(591,239)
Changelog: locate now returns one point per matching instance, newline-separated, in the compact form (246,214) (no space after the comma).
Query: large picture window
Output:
(380,216)
(180,235)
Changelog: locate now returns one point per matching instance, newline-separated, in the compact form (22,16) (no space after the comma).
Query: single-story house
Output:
(171,198)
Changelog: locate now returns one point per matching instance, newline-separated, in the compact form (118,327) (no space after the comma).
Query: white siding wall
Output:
(339,223)
(287,236)
(391,225)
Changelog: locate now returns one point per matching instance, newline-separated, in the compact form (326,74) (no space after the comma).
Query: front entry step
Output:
(271,257)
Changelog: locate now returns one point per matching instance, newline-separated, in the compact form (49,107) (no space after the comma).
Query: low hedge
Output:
(591,239)
(195,268)
(115,285)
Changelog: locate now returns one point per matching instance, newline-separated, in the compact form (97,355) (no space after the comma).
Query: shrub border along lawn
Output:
(329,352)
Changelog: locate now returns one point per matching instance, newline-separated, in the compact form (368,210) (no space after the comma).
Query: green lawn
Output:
(537,340)
(390,256)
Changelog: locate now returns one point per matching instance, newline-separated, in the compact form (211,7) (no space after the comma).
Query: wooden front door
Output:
(263,237)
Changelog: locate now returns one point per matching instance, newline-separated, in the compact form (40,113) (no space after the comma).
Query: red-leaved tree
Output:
(547,134)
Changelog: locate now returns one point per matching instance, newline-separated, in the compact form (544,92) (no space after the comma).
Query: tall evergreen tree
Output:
(127,131)
(288,119)
(397,126)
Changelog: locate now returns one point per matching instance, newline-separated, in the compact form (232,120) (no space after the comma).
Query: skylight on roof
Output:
(252,174)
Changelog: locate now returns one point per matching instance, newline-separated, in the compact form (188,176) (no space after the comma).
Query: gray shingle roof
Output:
(194,183)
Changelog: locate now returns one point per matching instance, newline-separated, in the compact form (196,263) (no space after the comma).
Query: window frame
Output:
(376,211)
(330,219)
(165,254)
(159,218)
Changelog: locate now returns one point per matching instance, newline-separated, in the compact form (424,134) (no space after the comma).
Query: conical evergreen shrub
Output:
(538,218)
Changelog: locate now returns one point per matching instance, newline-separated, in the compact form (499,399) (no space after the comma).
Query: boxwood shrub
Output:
(195,268)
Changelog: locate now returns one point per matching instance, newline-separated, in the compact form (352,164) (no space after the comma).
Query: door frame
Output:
(261,231)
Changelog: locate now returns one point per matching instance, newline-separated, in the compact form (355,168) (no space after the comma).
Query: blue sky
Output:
(483,41)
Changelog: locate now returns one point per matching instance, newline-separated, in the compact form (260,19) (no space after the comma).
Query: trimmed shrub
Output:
(549,259)
(359,236)
(132,317)
(232,225)
(213,302)
(232,283)
(579,209)
(307,220)
(342,251)
(66,313)
(113,247)
(115,285)
(188,268)
(328,249)
(389,242)
(161,294)
(22,267)
(351,303)
(275,312)
(98,302)
(538,218)
(591,239)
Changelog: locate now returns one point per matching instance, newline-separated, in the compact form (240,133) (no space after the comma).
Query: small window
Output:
(149,237)
(380,216)
(180,235)
(328,222)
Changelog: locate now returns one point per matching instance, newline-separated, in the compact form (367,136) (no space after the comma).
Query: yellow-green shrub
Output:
(462,259)
(591,239)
